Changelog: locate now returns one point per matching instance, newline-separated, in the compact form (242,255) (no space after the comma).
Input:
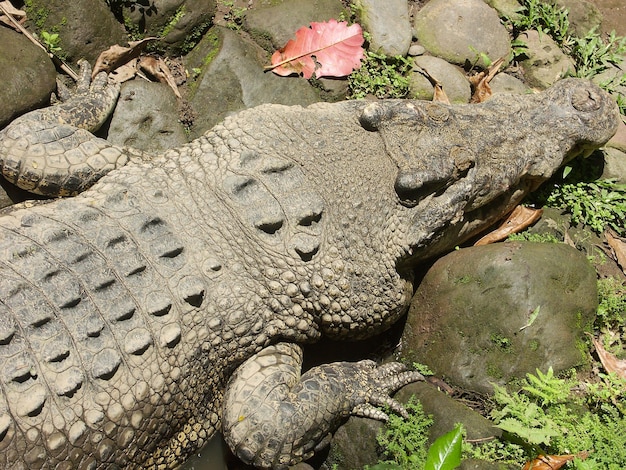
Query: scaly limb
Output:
(52,152)
(274,417)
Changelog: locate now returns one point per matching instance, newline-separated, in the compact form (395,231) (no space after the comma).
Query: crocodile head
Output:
(471,164)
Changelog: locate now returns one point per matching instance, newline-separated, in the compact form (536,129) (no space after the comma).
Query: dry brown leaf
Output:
(521,218)
(159,70)
(608,360)
(10,12)
(618,245)
(125,72)
(116,56)
(553,462)
(480,82)
(439,95)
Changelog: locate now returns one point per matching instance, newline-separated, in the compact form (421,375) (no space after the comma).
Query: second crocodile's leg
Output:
(273,417)
(52,152)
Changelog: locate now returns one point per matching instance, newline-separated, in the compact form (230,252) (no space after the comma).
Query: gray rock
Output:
(389,27)
(546,63)
(231,78)
(614,164)
(461,31)
(416,50)
(506,8)
(179,23)
(146,117)
(505,83)
(470,319)
(454,82)
(273,26)
(354,444)
(446,412)
(28,76)
(85,27)
(583,15)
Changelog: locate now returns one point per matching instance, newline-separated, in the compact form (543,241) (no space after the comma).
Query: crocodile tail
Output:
(52,152)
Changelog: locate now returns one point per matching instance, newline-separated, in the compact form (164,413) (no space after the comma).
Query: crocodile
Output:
(170,298)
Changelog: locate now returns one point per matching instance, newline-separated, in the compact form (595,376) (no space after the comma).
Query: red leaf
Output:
(329,49)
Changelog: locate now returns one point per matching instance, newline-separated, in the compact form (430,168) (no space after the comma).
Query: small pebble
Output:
(416,50)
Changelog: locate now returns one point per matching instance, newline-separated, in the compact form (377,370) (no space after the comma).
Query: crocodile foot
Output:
(274,417)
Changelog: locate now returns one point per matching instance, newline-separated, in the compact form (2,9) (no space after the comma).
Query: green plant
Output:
(611,312)
(533,237)
(545,17)
(173,21)
(423,369)
(51,41)
(38,15)
(381,76)
(404,440)
(562,415)
(591,53)
(598,204)
(443,454)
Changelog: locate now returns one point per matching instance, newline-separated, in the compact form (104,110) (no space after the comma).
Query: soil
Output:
(613,15)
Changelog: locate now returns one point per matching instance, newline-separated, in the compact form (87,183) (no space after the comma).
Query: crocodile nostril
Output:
(412,186)
(371,116)
(586,100)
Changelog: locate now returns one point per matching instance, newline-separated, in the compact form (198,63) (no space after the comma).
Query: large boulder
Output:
(179,24)
(462,31)
(489,314)
(146,117)
(453,81)
(85,27)
(228,76)
(545,62)
(389,27)
(273,26)
(28,76)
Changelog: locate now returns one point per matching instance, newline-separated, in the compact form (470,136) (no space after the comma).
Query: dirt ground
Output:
(613,14)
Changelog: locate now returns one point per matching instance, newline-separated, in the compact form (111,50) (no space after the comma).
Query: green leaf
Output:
(445,452)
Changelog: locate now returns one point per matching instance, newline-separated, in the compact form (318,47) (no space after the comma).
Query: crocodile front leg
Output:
(273,417)
(52,152)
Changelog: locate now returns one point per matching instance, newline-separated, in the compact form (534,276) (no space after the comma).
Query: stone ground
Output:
(230,14)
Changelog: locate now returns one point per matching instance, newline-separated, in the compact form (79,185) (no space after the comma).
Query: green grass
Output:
(381,76)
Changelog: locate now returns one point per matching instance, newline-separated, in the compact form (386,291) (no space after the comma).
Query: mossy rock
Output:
(491,314)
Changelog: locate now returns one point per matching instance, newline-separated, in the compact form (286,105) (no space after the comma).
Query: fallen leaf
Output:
(553,462)
(480,82)
(521,218)
(11,15)
(159,70)
(329,49)
(608,360)
(125,72)
(116,56)
(618,245)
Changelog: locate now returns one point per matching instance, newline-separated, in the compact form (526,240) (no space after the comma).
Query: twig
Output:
(66,68)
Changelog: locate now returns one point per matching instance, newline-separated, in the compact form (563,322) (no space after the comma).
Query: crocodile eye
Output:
(586,100)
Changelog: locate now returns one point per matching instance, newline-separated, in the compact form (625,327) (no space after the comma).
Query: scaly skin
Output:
(169,300)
